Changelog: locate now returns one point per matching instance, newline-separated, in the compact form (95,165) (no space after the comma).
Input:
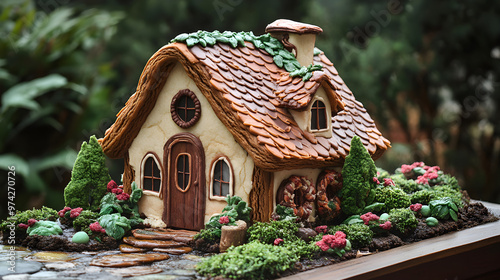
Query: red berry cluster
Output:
(117,190)
(96,227)
(31,222)
(73,213)
(416,207)
(224,220)
(321,229)
(277,241)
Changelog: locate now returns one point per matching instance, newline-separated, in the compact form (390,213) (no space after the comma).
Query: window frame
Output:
(316,116)
(155,158)
(174,106)
(177,172)
(231,178)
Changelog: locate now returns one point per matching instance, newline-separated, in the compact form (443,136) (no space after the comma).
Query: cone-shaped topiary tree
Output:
(358,188)
(89,177)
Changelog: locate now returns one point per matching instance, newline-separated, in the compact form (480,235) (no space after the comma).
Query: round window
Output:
(185,108)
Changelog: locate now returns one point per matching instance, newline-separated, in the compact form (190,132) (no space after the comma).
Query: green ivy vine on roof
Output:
(281,57)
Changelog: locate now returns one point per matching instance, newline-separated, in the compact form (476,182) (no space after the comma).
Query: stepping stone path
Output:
(125,260)
(160,240)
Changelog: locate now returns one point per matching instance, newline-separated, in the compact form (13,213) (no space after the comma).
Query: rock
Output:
(59,265)
(124,260)
(17,252)
(194,258)
(51,257)
(81,237)
(21,267)
(233,235)
(16,277)
(306,234)
(88,270)
(151,243)
(182,272)
(159,277)
(174,251)
(125,248)
(134,271)
(49,275)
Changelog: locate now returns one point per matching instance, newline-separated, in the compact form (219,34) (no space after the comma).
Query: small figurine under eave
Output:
(266,118)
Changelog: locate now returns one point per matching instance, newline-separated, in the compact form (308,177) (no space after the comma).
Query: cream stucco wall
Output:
(216,139)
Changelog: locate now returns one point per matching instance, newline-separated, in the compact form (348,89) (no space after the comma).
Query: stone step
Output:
(164,234)
(150,244)
(125,260)
(125,248)
(174,251)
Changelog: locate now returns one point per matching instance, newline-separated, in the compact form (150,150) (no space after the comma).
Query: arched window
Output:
(318,116)
(185,108)
(222,179)
(151,174)
(183,172)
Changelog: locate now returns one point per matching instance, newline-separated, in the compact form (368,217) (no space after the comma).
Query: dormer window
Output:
(318,116)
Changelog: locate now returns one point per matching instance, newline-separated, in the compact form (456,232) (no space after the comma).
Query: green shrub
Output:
(392,197)
(358,172)
(437,192)
(268,232)
(45,213)
(253,260)
(127,208)
(403,221)
(382,173)
(89,177)
(407,185)
(82,222)
(359,235)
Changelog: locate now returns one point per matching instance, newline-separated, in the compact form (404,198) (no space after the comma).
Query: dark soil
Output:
(60,243)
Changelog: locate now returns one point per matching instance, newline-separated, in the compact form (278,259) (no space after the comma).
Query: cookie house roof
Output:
(252,96)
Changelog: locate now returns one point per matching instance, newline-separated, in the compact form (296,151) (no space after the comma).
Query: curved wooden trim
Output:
(261,196)
(211,176)
(128,174)
(190,160)
(157,160)
(197,107)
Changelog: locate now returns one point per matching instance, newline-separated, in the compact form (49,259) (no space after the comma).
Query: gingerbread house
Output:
(212,118)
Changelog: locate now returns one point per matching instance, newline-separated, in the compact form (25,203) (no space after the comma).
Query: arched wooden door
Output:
(184,190)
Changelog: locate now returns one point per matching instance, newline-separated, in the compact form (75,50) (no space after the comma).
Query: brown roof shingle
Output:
(252,97)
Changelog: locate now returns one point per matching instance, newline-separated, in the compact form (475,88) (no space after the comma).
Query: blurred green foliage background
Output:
(427,71)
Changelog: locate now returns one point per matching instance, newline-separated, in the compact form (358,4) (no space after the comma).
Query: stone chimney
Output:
(297,37)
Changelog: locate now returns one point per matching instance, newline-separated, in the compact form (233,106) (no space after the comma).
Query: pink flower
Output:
(405,168)
(224,220)
(388,182)
(416,207)
(422,180)
(277,241)
(321,229)
(31,222)
(96,227)
(23,226)
(387,225)
(376,181)
(332,241)
(123,196)
(369,217)
(63,211)
(111,185)
(75,212)
(117,191)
